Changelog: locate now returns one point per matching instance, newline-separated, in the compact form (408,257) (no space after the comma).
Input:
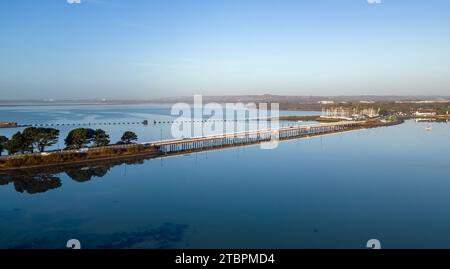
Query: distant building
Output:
(326,102)
(425,113)
(338,112)
(423,102)
(349,113)
(367,102)
(369,113)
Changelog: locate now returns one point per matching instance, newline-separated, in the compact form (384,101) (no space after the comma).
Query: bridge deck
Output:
(249,137)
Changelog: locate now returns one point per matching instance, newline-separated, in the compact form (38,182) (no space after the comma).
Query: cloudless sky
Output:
(154,48)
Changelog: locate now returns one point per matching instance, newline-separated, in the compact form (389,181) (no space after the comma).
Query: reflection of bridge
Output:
(249,137)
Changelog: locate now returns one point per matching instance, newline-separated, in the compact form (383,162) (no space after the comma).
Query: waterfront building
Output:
(425,113)
(326,102)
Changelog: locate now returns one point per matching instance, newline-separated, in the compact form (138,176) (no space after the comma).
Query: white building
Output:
(425,113)
(326,102)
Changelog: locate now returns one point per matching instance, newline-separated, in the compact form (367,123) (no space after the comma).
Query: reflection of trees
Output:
(43,179)
(31,183)
(87,173)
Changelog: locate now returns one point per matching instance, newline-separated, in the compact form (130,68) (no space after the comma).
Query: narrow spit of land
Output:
(146,150)
(308,118)
(321,119)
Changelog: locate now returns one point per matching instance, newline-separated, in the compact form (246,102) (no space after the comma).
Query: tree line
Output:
(34,138)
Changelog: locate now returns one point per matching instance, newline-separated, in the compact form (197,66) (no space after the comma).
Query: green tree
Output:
(101,139)
(45,137)
(15,144)
(128,137)
(29,139)
(3,141)
(79,138)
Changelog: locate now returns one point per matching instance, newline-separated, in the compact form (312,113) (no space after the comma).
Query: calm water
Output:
(337,191)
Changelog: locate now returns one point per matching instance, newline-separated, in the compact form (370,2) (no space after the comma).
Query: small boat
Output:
(429,128)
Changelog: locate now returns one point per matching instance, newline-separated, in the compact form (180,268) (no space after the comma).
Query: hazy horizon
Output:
(128,50)
(228,98)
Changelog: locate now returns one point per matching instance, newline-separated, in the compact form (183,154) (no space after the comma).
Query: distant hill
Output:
(286,102)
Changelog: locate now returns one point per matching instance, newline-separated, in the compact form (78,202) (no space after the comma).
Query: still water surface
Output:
(335,191)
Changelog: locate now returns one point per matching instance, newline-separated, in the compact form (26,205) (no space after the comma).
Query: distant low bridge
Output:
(144,122)
(249,137)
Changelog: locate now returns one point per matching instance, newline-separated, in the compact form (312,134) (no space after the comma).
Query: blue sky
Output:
(154,48)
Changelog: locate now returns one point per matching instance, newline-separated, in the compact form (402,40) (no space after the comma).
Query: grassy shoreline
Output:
(64,158)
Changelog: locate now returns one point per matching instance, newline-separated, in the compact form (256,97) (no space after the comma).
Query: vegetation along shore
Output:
(28,148)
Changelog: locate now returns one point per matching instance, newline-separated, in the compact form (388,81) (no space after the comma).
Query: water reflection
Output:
(33,181)
(87,173)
